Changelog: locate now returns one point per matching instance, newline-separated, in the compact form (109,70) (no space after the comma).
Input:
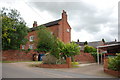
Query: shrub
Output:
(89,49)
(75,63)
(94,54)
(114,63)
(61,61)
(57,48)
(70,50)
(49,59)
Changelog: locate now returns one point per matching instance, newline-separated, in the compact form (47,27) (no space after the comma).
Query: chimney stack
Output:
(35,24)
(64,15)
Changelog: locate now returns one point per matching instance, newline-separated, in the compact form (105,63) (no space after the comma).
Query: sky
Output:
(90,20)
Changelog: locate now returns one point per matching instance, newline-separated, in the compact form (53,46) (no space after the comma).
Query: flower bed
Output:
(54,66)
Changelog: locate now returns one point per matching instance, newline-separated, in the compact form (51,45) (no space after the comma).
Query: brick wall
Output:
(16,55)
(84,57)
(109,71)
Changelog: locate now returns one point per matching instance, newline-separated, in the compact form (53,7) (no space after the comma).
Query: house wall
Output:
(53,29)
(33,33)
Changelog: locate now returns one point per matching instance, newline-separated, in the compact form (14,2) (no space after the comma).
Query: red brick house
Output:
(60,28)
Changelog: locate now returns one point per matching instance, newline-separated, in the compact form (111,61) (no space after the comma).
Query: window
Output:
(23,46)
(31,46)
(68,30)
(31,38)
(51,32)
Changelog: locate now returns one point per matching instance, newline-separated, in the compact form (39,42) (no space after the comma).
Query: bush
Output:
(61,61)
(94,54)
(114,63)
(50,59)
(75,63)
(57,48)
(89,49)
(70,50)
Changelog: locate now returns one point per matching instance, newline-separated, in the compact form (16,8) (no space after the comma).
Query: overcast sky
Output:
(90,20)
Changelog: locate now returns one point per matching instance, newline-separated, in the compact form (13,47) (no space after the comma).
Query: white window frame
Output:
(31,38)
(23,46)
(68,30)
(31,46)
(52,33)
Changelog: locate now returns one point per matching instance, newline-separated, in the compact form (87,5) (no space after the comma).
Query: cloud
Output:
(83,17)
(88,21)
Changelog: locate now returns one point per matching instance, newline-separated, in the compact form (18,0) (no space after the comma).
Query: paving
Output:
(23,70)
(89,69)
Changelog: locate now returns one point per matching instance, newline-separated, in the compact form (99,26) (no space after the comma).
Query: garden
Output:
(57,54)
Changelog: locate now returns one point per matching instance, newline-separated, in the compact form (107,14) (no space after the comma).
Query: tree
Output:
(45,40)
(14,29)
(71,49)
(85,43)
(57,48)
(89,49)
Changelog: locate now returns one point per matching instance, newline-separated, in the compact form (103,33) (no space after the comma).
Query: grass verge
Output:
(75,64)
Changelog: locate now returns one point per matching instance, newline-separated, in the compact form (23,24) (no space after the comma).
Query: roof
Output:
(80,43)
(93,44)
(49,24)
(112,42)
(107,45)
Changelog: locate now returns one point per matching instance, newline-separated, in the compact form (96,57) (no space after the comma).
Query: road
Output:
(22,70)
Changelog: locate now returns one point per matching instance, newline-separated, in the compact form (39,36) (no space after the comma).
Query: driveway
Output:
(23,70)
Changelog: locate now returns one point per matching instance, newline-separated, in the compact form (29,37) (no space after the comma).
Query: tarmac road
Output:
(22,70)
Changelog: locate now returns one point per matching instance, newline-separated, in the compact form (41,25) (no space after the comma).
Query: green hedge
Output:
(114,63)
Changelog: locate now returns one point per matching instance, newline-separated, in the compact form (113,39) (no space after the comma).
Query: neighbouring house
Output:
(59,28)
(109,49)
(106,48)
(93,44)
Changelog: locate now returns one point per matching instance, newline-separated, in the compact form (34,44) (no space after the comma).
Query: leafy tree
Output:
(48,43)
(71,49)
(85,43)
(45,40)
(14,29)
(89,49)
(57,48)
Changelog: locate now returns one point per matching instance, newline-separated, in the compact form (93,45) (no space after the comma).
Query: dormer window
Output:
(68,30)
(31,38)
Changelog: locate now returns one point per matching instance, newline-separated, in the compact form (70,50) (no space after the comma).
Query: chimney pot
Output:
(35,24)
